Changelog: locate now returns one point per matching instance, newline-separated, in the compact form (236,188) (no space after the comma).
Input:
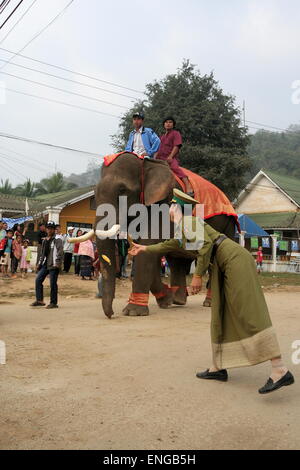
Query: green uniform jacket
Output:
(178,246)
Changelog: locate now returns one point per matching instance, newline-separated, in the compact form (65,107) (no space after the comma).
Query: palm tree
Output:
(6,187)
(27,189)
(54,184)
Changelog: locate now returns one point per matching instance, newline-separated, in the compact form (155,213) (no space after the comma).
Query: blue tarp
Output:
(250,227)
(12,222)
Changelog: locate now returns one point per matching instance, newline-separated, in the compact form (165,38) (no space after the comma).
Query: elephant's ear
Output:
(159,181)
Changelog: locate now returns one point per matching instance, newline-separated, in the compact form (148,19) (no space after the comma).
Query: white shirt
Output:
(138,146)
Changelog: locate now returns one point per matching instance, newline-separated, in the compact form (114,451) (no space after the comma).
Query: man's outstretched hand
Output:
(136,249)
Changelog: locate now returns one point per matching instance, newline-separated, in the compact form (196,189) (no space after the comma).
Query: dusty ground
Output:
(76,380)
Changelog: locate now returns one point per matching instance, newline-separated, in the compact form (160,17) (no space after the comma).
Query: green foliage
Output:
(28,189)
(276,151)
(6,187)
(214,143)
(54,184)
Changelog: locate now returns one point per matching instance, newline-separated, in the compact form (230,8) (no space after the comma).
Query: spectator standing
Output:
(16,255)
(259,259)
(6,252)
(68,249)
(25,258)
(2,230)
(86,253)
(42,234)
(76,255)
(142,140)
(49,263)
(58,233)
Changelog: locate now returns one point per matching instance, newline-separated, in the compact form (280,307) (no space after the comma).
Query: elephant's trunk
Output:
(107,255)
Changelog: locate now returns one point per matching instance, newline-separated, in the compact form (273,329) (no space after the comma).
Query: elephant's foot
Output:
(164,298)
(133,310)
(179,296)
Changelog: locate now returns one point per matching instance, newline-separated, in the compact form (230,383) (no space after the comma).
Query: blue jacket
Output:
(151,141)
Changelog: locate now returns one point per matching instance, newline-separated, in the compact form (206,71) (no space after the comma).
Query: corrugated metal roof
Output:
(269,220)
(288,184)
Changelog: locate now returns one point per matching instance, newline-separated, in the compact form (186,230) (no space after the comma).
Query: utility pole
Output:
(244,113)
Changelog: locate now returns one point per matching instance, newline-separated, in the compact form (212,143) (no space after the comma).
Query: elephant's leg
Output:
(144,271)
(161,291)
(179,269)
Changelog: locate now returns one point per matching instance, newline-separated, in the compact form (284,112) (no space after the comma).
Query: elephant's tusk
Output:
(83,238)
(102,234)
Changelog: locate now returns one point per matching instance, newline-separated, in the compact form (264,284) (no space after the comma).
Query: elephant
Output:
(153,181)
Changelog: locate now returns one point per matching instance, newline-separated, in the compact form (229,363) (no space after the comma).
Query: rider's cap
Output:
(138,115)
(179,197)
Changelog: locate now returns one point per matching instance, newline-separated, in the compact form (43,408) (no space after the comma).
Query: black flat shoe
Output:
(218,375)
(37,303)
(52,306)
(270,386)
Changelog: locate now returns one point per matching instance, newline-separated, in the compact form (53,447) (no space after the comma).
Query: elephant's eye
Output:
(122,190)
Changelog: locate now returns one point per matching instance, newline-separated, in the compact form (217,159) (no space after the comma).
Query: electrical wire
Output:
(40,32)
(69,70)
(62,102)
(3,5)
(69,80)
(10,15)
(59,147)
(8,33)
(64,91)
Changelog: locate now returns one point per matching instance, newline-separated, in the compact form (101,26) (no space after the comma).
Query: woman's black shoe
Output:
(218,375)
(270,386)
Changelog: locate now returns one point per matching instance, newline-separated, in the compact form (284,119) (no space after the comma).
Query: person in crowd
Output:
(2,229)
(6,252)
(259,259)
(86,253)
(18,231)
(241,329)
(25,258)
(16,255)
(68,249)
(170,144)
(76,255)
(49,263)
(58,233)
(122,245)
(142,140)
(42,234)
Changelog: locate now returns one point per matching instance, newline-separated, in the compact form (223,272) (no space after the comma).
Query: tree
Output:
(214,142)
(27,189)
(276,151)
(6,187)
(54,184)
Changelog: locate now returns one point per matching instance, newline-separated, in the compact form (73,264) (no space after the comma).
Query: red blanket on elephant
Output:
(214,200)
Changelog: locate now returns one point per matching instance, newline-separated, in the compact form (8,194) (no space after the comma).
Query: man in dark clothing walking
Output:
(50,262)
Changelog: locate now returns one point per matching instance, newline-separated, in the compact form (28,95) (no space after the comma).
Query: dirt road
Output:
(76,380)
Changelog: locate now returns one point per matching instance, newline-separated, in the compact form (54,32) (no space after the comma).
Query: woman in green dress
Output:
(241,329)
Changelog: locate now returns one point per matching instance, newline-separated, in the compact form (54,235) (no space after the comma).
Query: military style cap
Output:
(179,197)
(138,115)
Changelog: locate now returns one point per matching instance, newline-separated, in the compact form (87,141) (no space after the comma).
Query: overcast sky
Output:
(251,45)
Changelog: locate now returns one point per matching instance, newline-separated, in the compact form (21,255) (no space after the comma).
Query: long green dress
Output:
(241,328)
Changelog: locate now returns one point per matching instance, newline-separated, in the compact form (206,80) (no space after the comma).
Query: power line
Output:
(40,32)
(266,125)
(69,70)
(3,39)
(68,79)
(59,147)
(20,162)
(62,102)
(3,5)
(16,7)
(64,91)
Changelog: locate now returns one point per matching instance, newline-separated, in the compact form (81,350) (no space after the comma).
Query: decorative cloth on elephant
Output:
(109,159)
(214,200)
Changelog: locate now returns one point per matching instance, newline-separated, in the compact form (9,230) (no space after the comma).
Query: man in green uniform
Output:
(241,329)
